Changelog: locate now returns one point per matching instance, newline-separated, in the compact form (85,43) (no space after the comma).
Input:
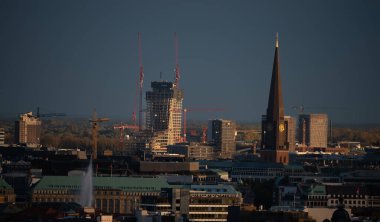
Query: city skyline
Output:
(71,57)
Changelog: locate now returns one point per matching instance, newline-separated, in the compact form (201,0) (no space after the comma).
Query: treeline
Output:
(76,133)
(370,136)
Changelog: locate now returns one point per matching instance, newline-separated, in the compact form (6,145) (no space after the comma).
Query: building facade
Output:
(313,130)
(222,134)
(290,132)
(28,130)
(126,195)
(2,136)
(274,147)
(111,194)
(211,202)
(195,151)
(164,112)
(7,194)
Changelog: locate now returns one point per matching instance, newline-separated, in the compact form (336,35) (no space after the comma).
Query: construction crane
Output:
(141,79)
(176,70)
(95,127)
(48,114)
(301,108)
(204,134)
(185,110)
(122,127)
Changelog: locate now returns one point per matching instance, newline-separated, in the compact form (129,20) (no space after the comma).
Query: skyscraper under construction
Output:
(164,112)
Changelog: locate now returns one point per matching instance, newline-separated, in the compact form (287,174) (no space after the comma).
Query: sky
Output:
(73,56)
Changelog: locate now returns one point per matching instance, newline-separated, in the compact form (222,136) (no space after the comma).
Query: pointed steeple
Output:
(274,145)
(275,108)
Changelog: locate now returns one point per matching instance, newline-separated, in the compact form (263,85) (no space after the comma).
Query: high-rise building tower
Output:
(28,130)
(164,112)
(222,133)
(274,146)
(290,132)
(313,130)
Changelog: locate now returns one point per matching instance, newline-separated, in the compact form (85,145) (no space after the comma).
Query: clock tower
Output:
(274,147)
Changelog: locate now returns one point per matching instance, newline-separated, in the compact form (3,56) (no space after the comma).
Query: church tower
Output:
(274,147)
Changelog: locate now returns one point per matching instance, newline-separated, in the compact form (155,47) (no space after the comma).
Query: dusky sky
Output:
(72,56)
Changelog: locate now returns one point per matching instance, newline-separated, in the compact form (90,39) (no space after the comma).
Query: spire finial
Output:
(276,39)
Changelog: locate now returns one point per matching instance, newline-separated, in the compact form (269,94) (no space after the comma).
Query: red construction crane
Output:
(204,134)
(141,79)
(177,74)
(185,110)
(122,127)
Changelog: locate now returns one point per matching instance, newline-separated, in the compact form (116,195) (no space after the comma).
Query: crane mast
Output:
(141,80)
(95,127)
(177,73)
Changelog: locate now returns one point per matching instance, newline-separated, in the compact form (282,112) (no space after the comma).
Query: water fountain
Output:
(86,192)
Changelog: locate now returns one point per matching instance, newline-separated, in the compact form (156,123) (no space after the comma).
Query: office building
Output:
(222,134)
(274,147)
(2,136)
(211,202)
(313,130)
(124,195)
(290,132)
(196,151)
(28,130)
(164,112)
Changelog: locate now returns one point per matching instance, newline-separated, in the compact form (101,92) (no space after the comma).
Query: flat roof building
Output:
(222,134)
(313,130)
(28,130)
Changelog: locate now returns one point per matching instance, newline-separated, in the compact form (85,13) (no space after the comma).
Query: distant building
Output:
(274,146)
(2,136)
(290,132)
(322,196)
(196,151)
(168,167)
(111,195)
(222,133)
(7,194)
(28,130)
(211,202)
(124,195)
(164,112)
(313,130)
(18,176)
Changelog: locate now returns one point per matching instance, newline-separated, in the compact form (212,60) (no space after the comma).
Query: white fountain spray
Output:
(86,192)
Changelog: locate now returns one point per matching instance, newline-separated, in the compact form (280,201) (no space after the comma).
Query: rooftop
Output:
(117,183)
(215,189)
(4,185)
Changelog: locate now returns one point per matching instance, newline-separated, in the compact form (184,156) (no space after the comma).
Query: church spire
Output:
(275,108)
(274,145)
(276,39)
